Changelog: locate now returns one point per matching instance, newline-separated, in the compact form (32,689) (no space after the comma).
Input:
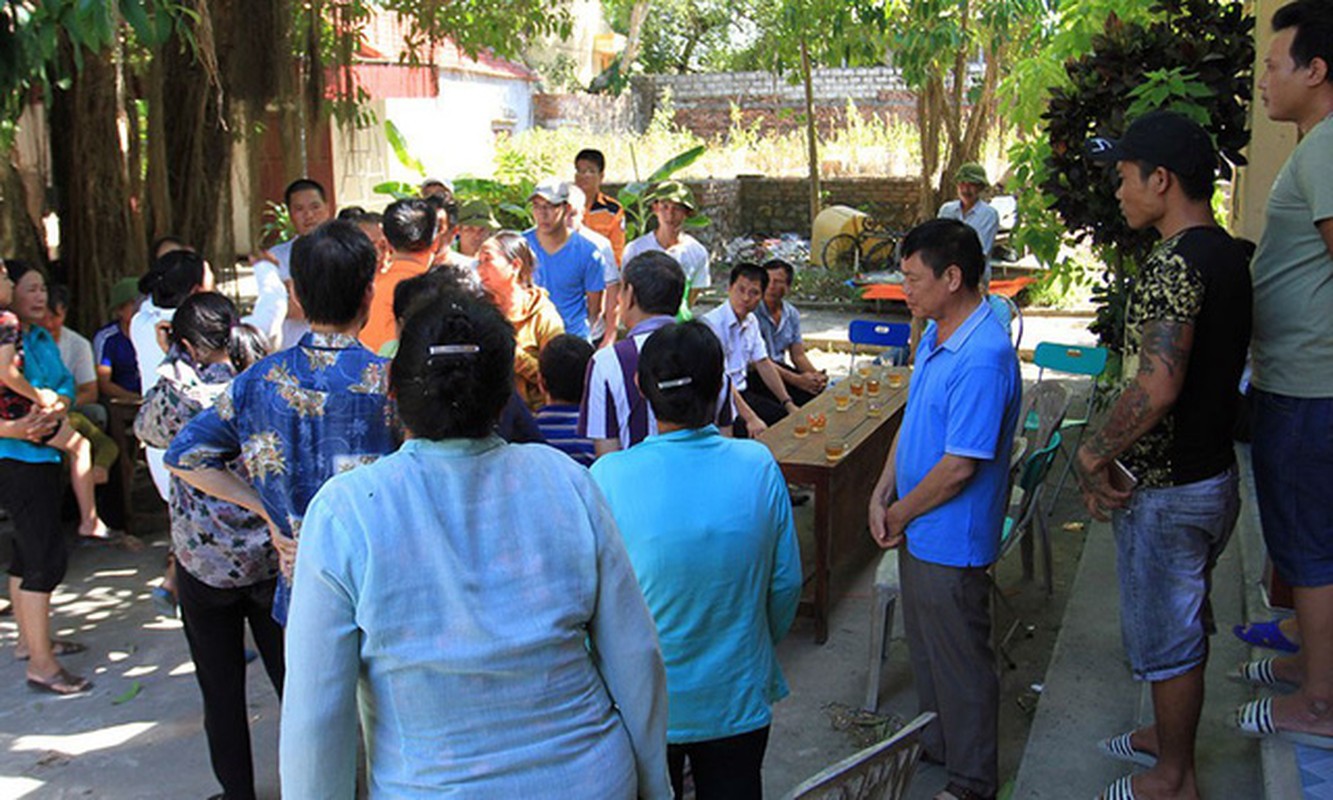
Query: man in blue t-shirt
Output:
(569,266)
(943,492)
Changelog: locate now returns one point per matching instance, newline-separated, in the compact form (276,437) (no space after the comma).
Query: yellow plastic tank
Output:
(829,223)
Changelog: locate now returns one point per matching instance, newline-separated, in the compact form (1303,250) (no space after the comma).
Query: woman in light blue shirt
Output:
(708,526)
(475,597)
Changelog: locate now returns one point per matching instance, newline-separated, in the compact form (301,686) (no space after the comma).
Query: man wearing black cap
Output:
(1162,467)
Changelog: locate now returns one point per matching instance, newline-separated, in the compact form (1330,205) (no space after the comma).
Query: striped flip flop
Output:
(1121,749)
(1122,789)
(1258,673)
(1255,719)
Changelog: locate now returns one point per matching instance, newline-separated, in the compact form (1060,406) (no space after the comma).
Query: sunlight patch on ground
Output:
(18,787)
(163,624)
(77,744)
(186,668)
(139,672)
(128,572)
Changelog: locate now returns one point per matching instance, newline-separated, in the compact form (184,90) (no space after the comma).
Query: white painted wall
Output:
(453,134)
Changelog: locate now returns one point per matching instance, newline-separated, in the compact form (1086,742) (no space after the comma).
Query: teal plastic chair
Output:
(1071,359)
(1026,514)
(873,333)
(1046,406)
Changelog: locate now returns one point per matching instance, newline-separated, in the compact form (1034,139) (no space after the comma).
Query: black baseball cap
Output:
(1163,139)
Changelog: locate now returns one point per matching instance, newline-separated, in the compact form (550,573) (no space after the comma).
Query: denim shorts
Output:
(1167,541)
(1292,451)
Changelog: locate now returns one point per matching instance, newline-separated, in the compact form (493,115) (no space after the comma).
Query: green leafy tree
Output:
(1195,57)
(954,55)
(190,79)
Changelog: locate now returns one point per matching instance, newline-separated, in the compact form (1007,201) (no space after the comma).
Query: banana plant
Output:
(400,190)
(636,196)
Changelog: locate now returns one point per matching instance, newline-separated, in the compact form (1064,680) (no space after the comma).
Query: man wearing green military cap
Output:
(673,203)
(969,208)
(475,225)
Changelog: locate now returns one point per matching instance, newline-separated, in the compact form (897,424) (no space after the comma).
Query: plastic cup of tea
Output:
(875,406)
(817,422)
(872,386)
(842,400)
(864,369)
(895,380)
(857,385)
(835,449)
(801,429)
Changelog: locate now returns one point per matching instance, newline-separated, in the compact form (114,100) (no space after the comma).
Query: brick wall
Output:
(782,205)
(703,102)
(591,112)
(755,204)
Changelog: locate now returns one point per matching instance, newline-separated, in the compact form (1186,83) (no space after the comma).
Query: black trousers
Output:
(755,384)
(31,495)
(215,629)
(723,769)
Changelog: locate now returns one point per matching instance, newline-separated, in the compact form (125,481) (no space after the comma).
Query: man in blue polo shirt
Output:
(943,492)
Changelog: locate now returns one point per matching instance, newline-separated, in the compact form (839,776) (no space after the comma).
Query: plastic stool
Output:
(881,623)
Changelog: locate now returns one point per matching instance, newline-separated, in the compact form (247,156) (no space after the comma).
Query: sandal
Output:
(1255,719)
(1121,789)
(117,539)
(1265,634)
(1121,749)
(62,683)
(1258,673)
(59,647)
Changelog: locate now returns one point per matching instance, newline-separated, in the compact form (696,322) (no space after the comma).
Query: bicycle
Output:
(874,248)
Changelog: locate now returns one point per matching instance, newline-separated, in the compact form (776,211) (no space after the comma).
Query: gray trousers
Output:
(946,613)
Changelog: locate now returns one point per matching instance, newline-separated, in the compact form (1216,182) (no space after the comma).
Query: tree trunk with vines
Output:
(97,218)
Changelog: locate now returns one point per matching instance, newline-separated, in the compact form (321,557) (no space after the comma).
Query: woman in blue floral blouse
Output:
(227,568)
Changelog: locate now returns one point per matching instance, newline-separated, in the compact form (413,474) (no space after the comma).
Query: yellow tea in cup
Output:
(835,449)
(895,380)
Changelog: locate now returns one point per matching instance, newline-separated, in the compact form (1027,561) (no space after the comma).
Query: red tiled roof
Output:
(385,41)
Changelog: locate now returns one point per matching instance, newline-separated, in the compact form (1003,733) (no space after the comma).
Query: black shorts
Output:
(31,495)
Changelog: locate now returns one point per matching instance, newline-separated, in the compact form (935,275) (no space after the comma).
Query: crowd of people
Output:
(485,502)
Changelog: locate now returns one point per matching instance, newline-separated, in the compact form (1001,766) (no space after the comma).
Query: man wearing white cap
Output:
(569,266)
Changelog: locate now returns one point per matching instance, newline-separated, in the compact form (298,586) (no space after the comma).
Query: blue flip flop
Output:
(1265,634)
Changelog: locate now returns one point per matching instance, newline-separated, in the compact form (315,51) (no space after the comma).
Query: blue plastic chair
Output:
(873,333)
(1071,359)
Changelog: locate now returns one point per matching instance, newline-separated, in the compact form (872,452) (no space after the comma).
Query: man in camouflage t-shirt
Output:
(1187,326)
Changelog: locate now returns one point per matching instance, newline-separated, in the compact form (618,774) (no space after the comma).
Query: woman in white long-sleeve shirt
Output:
(477,597)
(178,272)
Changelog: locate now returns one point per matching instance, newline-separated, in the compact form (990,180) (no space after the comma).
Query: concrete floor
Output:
(139,733)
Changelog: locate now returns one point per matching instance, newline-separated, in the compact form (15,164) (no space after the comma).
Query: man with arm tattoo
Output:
(1187,326)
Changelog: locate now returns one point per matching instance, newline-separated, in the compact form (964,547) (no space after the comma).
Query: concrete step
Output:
(1090,694)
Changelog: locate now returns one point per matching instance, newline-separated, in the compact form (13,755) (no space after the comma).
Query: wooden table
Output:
(842,487)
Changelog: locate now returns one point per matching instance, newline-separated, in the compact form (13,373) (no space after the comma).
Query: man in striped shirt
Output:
(613,412)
